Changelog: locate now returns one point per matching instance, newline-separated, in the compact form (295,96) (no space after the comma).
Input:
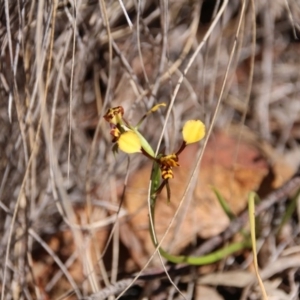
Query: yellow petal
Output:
(193,131)
(129,142)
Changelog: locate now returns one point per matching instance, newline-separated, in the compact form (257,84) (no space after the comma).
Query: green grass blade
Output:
(224,204)
(251,209)
(289,211)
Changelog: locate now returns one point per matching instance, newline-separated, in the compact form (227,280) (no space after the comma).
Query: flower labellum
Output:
(170,160)
(166,172)
(193,131)
(129,142)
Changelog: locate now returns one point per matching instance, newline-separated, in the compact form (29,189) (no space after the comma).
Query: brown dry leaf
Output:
(64,247)
(282,166)
(130,240)
(231,167)
(236,278)
(41,272)
(206,292)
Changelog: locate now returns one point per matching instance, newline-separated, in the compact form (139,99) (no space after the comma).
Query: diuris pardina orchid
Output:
(128,139)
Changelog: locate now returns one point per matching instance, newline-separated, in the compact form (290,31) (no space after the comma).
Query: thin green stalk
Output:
(191,260)
(251,208)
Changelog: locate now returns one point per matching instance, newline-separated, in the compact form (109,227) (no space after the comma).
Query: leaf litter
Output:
(61,185)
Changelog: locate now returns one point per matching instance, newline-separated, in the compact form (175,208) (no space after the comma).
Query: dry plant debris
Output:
(65,233)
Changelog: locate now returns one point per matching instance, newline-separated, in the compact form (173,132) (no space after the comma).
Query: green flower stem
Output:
(191,260)
(145,145)
(205,259)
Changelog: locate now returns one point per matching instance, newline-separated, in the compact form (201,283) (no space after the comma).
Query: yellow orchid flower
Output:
(193,131)
(129,142)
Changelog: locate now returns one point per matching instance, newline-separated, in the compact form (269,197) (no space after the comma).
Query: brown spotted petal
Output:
(170,160)
(114,115)
(115,132)
(166,172)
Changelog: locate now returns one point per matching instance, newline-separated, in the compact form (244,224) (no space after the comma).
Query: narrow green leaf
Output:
(289,211)
(251,210)
(224,204)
